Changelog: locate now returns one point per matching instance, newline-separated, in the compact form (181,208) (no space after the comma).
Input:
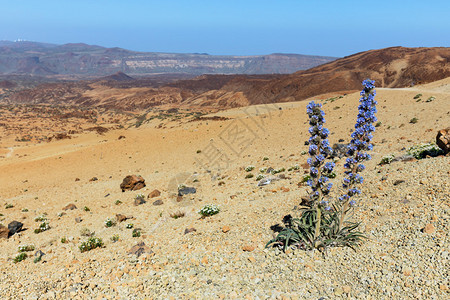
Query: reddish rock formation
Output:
(443,140)
(132,183)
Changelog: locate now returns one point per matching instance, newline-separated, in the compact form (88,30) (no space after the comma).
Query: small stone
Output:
(429,228)
(77,179)
(93,179)
(14,227)
(186,190)
(154,193)
(346,289)
(248,248)
(397,182)
(4,232)
(78,220)
(284,190)
(252,259)
(423,181)
(120,218)
(158,202)
(139,201)
(189,230)
(225,229)
(70,206)
(140,249)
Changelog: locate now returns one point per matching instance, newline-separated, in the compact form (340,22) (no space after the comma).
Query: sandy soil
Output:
(42,179)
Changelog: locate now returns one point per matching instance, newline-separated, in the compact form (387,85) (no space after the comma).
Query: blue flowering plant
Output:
(357,149)
(323,222)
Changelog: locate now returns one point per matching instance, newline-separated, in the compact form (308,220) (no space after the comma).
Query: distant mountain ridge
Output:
(395,67)
(33,58)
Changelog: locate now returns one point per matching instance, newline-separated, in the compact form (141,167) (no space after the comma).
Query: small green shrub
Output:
(209,210)
(413,120)
(86,208)
(249,168)
(117,202)
(249,176)
(378,124)
(41,218)
(265,158)
(262,170)
(109,222)
(417,96)
(276,171)
(259,177)
(115,238)
(296,167)
(136,232)
(387,159)
(129,226)
(64,240)
(305,179)
(44,226)
(37,259)
(422,150)
(24,209)
(432,98)
(20,257)
(26,248)
(91,243)
(8,205)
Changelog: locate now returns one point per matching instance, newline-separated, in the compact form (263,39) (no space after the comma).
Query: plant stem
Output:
(344,206)
(318,220)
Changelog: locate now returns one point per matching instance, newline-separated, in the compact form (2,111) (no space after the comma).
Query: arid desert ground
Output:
(404,206)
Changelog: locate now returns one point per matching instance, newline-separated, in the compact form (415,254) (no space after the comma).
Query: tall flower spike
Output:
(360,143)
(319,151)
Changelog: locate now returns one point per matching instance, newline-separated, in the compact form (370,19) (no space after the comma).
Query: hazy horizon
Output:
(252,27)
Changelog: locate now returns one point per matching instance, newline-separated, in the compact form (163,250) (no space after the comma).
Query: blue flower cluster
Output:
(360,142)
(319,150)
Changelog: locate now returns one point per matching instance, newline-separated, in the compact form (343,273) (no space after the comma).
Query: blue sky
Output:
(333,28)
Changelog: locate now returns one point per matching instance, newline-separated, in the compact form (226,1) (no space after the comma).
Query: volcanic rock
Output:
(139,201)
(158,202)
(140,249)
(443,140)
(14,227)
(132,183)
(189,230)
(186,190)
(121,218)
(70,206)
(4,232)
(154,193)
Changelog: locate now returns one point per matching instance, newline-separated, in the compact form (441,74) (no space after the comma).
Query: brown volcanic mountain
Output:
(390,67)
